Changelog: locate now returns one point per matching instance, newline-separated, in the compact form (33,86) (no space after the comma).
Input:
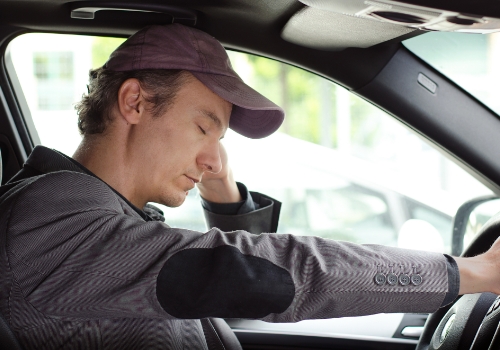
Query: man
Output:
(83,267)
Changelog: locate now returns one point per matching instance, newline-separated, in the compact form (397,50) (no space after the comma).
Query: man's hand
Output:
(220,187)
(481,273)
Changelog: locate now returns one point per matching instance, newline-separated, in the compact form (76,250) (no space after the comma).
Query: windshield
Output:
(470,60)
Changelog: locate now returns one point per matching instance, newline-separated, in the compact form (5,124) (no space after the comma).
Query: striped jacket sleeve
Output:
(78,251)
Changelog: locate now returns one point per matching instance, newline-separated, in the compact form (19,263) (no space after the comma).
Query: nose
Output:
(210,160)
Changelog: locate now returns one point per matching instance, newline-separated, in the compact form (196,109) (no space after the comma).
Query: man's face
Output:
(179,146)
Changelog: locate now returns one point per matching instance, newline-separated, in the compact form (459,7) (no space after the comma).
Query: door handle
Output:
(412,331)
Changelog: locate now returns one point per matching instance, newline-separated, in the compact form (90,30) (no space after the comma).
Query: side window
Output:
(53,70)
(342,168)
(345,169)
(351,213)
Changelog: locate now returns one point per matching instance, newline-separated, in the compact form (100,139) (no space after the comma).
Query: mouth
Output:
(193,180)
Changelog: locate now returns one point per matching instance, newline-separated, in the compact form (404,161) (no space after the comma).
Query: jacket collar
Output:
(43,160)
(46,160)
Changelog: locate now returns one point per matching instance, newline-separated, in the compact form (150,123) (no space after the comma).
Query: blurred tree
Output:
(102,48)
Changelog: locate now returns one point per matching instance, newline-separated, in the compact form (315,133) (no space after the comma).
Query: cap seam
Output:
(194,42)
(142,46)
(138,53)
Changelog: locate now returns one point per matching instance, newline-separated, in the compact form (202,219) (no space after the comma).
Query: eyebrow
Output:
(213,117)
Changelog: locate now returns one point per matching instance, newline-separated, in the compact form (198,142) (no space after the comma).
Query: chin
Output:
(174,201)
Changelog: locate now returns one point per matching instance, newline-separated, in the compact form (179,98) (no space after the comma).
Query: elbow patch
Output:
(222,282)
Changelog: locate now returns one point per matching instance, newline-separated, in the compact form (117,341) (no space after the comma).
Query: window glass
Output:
(53,75)
(342,168)
(436,228)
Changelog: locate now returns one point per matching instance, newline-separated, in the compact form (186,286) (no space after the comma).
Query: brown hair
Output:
(94,110)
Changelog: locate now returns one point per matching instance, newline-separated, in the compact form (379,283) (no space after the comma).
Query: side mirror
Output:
(469,219)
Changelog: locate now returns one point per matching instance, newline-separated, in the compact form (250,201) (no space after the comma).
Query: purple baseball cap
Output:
(175,46)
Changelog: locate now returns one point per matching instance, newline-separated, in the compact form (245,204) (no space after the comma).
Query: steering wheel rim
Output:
(436,322)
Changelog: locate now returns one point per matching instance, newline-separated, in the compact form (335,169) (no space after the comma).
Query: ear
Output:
(130,101)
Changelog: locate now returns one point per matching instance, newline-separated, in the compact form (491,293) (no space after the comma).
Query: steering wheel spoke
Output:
(459,326)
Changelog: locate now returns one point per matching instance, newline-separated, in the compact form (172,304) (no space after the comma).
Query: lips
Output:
(193,180)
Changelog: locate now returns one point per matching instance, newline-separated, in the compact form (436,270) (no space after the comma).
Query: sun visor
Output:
(322,29)
(409,15)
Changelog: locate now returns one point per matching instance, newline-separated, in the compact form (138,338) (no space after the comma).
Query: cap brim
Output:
(253,115)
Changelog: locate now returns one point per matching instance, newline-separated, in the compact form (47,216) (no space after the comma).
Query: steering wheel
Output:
(472,321)
(458,327)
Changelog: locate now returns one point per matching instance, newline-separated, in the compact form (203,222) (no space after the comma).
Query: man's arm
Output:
(229,206)
(228,210)
(85,245)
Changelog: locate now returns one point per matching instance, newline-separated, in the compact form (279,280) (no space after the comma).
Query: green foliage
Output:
(102,48)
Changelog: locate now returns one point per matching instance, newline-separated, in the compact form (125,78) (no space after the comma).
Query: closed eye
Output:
(202,130)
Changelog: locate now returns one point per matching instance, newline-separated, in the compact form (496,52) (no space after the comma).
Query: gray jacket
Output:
(81,268)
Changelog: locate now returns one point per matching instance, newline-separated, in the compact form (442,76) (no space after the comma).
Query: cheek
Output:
(175,153)
(173,162)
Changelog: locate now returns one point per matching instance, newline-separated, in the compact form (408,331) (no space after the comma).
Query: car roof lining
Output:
(255,28)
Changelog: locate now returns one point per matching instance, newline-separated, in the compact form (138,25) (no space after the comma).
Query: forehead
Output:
(195,96)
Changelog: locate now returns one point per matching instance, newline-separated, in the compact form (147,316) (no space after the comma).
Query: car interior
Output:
(388,57)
